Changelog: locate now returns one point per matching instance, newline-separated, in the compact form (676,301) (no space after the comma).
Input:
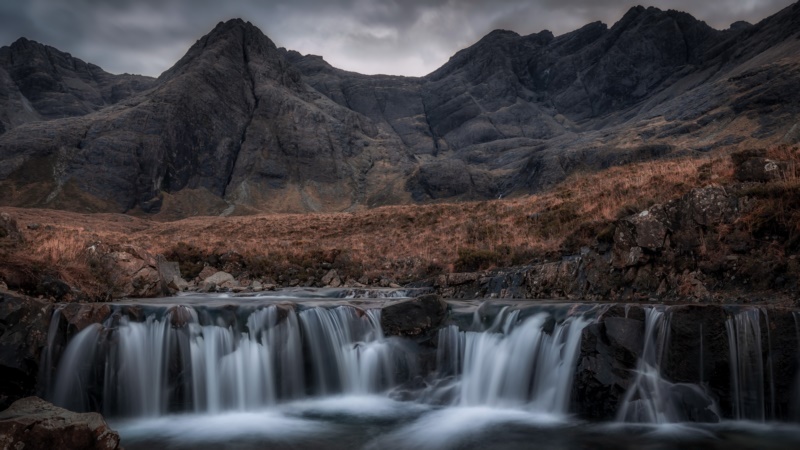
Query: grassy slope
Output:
(401,243)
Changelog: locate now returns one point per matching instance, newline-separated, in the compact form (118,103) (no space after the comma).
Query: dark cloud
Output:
(409,37)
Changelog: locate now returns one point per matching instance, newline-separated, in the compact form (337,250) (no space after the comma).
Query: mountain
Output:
(39,82)
(239,125)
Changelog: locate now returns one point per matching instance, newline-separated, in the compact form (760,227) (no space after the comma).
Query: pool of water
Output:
(380,423)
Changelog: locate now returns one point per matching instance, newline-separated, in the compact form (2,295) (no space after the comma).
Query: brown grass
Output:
(402,243)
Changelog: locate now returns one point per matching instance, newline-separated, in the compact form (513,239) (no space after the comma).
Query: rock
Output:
(331,279)
(256,286)
(34,423)
(134,276)
(178,284)
(206,272)
(751,165)
(9,232)
(170,273)
(221,279)
(82,315)
(418,317)
(24,323)
(53,288)
(605,364)
(34,226)
(180,316)
(3,286)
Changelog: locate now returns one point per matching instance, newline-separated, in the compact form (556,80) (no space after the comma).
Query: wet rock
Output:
(34,423)
(179,316)
(81,315)
(608,355)
(24,323)
(418,317)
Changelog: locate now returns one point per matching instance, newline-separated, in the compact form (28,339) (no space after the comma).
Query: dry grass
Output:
(402,243)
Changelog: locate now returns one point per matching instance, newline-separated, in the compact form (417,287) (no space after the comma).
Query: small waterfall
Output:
(750,383)
(516,364)
(152,367)
(653,399)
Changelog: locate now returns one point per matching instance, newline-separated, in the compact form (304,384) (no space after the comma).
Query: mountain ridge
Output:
(246,126)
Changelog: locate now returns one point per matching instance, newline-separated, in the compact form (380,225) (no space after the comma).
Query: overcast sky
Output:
(403,37)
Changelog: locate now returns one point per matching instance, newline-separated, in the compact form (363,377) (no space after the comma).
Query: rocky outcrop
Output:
(134,272)
(34,423)
(51,84)
(23,334)
(416,318)
(245,126)
(693,248)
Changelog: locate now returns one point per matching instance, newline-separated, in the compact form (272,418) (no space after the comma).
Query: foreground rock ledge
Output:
(32,423)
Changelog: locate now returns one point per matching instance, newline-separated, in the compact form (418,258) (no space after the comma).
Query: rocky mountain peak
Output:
(240,46)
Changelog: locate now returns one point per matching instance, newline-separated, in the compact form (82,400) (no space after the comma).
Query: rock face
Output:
(416,318)
(243,125)
(697,352)
(23,333)
(34,423)
(695,248)
(41,82)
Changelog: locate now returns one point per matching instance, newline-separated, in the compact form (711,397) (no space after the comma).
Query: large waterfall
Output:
(323,362)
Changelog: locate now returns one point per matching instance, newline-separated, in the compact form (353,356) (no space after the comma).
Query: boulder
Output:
(36,424)
(170,273)
(610,349)
(206,272)
(418,317)
(24,323)
(134,273)
(220,279)
(9,232)
(331,279)
(758,169)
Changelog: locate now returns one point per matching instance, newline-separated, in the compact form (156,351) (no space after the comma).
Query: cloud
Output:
(405,37)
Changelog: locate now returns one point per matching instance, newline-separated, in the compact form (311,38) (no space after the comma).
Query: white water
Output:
(652,398)
(327,377)
(220,368)
(518,366)
(753,382)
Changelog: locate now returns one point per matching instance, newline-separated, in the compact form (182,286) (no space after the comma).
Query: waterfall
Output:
(515,363)
(152,367)
(651,397)
(750,383)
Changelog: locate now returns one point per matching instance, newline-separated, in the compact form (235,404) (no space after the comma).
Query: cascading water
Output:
(153,367)
(652,398)
(196,376)
(516,363)
(753,387)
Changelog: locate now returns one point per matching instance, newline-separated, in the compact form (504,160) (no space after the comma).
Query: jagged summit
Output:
(239,125)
